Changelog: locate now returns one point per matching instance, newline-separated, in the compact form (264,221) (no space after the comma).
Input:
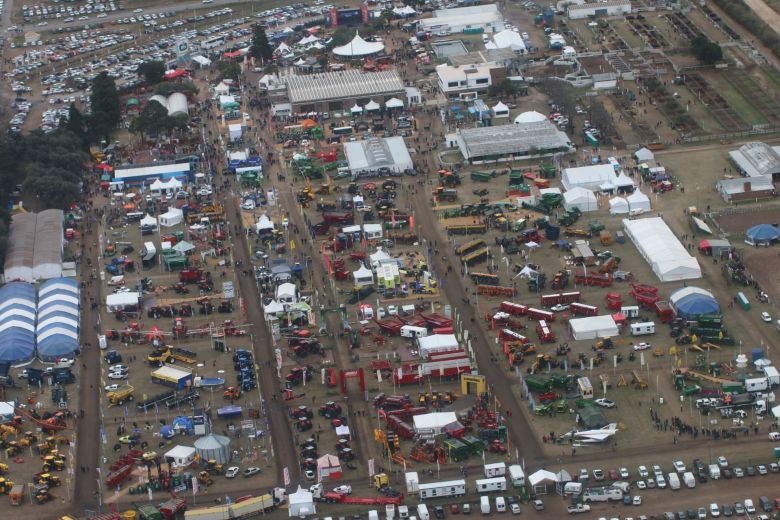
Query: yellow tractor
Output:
(50,462)
(13,449)
(47,478)
(3,468)
(213,468)
(44,447)
(5,486)
(43,495)
(205,479)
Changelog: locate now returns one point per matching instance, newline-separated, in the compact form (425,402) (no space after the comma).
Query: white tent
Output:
(404,11)
(182,456)
(263,223)
(590,177)
(308,40)
(359,47)
(644,155)
(363,276)
(500,110)
(624,182)
(183,247)
(638,203)
(580,198)
(394,103)
(509,39)
(593,327)
(222,89)
(301,504)
(157,187)
(201,60)
(148,221)
(121,300)
(328,466)
(661,249)
(372,106)
(372,231)
(356,109)
(172,217)
(378,256)
(618,206)
(234,131)
(287,293)
(272,309)
(433,422)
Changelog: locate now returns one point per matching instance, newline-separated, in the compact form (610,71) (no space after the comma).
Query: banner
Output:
(286,473)
(370,468)
(194,485)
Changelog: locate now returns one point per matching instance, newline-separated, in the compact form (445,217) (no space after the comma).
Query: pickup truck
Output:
(578,508)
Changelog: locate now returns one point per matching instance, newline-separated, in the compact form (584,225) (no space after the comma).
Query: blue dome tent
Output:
(690,302)
(17,323)
(762,234)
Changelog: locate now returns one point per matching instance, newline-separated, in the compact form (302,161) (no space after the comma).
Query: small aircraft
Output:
(593,436)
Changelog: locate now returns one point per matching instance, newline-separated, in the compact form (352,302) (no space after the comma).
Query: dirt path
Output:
(766,13)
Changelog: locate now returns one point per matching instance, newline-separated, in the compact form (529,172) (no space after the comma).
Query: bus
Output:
(342,130)
(211,43)
(469,247)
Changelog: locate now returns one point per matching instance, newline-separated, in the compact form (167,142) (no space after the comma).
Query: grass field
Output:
(741,105)
(772,75)
(698,112)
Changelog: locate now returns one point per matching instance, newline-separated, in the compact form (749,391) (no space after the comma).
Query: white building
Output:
(457,20)
(610,8)
(458,81)
(377,156)
(756,159)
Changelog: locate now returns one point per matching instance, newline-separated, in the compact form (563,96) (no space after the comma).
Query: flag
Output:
(286,473)
(149,490)
(194,485)
(379,376)
(292,245)
(304,376)
(370,467)
(411,222)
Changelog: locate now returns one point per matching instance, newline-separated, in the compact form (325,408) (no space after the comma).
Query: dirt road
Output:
(766,13)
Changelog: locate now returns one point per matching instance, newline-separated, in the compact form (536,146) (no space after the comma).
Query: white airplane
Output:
(593,436)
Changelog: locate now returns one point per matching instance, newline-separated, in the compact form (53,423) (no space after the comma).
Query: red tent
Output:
(105,167)
(234,54)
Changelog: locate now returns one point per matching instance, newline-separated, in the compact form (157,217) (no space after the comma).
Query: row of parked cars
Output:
(46,12)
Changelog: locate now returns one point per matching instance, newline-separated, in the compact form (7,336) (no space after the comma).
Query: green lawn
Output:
(736,100)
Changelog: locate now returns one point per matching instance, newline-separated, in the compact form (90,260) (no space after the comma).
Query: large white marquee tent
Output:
(660,247)
(593,327)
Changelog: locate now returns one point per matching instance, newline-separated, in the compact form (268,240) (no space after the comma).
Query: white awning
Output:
(394,103)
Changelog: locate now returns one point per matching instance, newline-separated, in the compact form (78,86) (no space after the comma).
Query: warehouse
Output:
(659,246)
(469,20)
(588,177)
(377,156)
(535,137)
(610,8)
(746,189)
(757,159)
(35,246)
(329,91)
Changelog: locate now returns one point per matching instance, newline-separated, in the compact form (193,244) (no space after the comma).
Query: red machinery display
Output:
(614,301)
(664,311)
(539,314)
(593,279)
(545,334)
(580,309)
(515,309)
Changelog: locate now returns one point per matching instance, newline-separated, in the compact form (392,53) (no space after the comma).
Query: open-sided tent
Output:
(394,103)
(624,183)
(263,224)
(378,257)
(500,110)
(372,106)
(359,47)
(183,247)
(148,221)
(643,155)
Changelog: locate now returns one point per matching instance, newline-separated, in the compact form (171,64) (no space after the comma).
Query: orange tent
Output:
(308,124)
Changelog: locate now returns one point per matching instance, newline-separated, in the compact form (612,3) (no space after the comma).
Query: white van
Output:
(674,481)
(373,515)
(484,505)
(422,512)
(500,505)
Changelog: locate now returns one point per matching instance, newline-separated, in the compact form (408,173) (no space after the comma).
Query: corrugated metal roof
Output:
(343,84)
(511,139)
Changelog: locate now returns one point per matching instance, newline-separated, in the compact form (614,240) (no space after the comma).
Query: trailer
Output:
(515,309)
(570,297)
(171,508)
(155,401)
(495,470)
(490,485)
(646,301)
(389,327)
(641,288)
(664,311)
(549,300)
(581,309)
(410,331)
(436,320)
(510,335)
(470,247)
(484,278)
(516,475)
(221,512)
(399,427)
(543,331)
(593,279)
(539,314)
(644,328)
(495,290)
(252,506)
(450,488)
(477,256)
(630,311)
(115,478)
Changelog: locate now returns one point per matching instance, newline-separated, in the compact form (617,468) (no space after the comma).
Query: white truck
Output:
(714,471)
(756,384)
(689,480)
(602,494)
(772,375)
(412,482)
(674,481)
(422,512)
(484,505)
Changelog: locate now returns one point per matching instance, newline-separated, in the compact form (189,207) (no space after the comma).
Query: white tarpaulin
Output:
(661,249)
(593,327)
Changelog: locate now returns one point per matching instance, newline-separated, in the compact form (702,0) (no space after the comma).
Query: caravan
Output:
(489,485)
(516,475)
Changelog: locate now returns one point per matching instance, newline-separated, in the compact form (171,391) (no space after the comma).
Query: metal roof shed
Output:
(21,248)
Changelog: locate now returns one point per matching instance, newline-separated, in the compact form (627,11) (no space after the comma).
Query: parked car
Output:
(232,471)
(604,402)
(248,472)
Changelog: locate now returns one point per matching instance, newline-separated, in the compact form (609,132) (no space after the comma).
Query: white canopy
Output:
(359,47)
(308,40)
(661,249)
(593,327)
(540,476)
(644,155)
(171,217)
(378,256)
(264,223)
(201,60)
(148,220)
(356,109)
(363,276)
(273,308)
(183,247)
(120,300)
(501,110)
(580,198)
(157,185)
(372,105)
(638,203)
(618,206)
(222,88)
(283,48)
(301,503)
(394,103)
(623,181)
(434,421)
(404,11)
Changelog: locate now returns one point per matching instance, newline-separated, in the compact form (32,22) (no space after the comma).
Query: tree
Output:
(342,36)
(77,124)
(105,107)
(260,48)
(186,87)
(705,50)
(153,72)
(228,69)
(156,117)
